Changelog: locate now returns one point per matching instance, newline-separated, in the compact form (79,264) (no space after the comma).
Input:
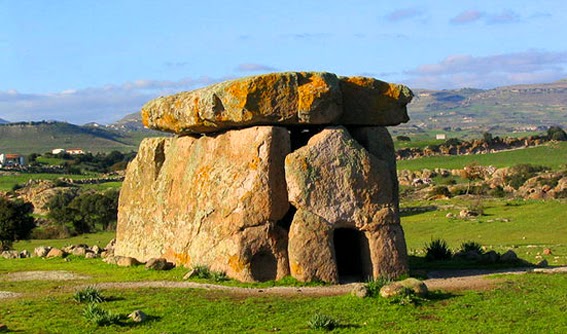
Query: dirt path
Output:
(446,280)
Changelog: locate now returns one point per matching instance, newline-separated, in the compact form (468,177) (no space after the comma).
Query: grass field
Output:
(553,155)
(7,182)
(525,304)
(527,227)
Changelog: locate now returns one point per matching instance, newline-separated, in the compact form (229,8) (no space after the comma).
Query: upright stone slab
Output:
(337,185)
(209,201)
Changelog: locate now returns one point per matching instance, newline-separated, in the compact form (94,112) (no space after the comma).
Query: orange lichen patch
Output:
(254,163)
(310,91)
(295,268)
(236,263)
(178,258)
(238,91)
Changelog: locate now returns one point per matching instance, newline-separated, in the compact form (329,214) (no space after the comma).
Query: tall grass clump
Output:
(88,295)
(96,314)
(437,250)
(322,321)
(471,246)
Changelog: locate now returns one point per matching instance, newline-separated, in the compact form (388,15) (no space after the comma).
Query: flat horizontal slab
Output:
(288,98)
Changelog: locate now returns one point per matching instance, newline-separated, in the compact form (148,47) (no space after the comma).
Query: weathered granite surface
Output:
(288,98)
(336,183)
(209,201)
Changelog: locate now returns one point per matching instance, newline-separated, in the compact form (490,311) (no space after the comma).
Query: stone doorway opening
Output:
(352,255)
(263,266)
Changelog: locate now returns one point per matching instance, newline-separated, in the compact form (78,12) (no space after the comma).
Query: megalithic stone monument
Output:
(267,176)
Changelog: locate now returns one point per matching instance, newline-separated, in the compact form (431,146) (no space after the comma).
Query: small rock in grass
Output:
(360,291)
(96,249)
(547,251)
(190,273)
(395,288)
(159,264)
(41,251)
(90,255)
(3,328)
(25,254)
(126,261)
(137,316)
(55,252)
(10,254)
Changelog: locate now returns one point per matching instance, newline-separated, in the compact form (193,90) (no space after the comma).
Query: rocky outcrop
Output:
(295,195)
(291,98)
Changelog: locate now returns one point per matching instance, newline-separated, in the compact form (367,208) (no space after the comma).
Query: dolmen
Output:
(269,176)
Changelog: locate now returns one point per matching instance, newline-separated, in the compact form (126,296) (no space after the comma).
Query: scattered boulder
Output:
(41,251)
(96,249)
(159,264)
(396,288)
(55,252)
(360,290)
(10,254)
(91,255)
(25,254)
(137,316)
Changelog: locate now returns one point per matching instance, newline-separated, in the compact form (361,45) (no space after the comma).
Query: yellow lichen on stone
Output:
(178,258)
(296,269)
(236,263)
(311,91)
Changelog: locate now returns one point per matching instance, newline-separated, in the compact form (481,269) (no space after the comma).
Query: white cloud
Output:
(490,71)
(252,67)
(470,16)
(404,14)
(99,104)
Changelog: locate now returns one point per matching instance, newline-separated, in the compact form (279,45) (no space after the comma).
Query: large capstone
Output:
(289,98)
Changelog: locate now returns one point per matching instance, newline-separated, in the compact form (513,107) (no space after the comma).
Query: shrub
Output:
(16,222)
(519,174)
(374,286)
(403,138)
(471,246)
(322,322)
(556,133)
(440,191)
(51,231)
(95,313)
(437,250)
(88,295)
(201,271)
(407,297)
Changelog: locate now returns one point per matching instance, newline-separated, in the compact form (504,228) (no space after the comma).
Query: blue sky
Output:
(82,61)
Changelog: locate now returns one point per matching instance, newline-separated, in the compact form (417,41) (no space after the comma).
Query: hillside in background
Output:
(41,137)
(505,109)
(461,113)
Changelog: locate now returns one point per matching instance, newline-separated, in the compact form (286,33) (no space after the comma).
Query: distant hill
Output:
(3,121)
(41,137)
(511,108)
